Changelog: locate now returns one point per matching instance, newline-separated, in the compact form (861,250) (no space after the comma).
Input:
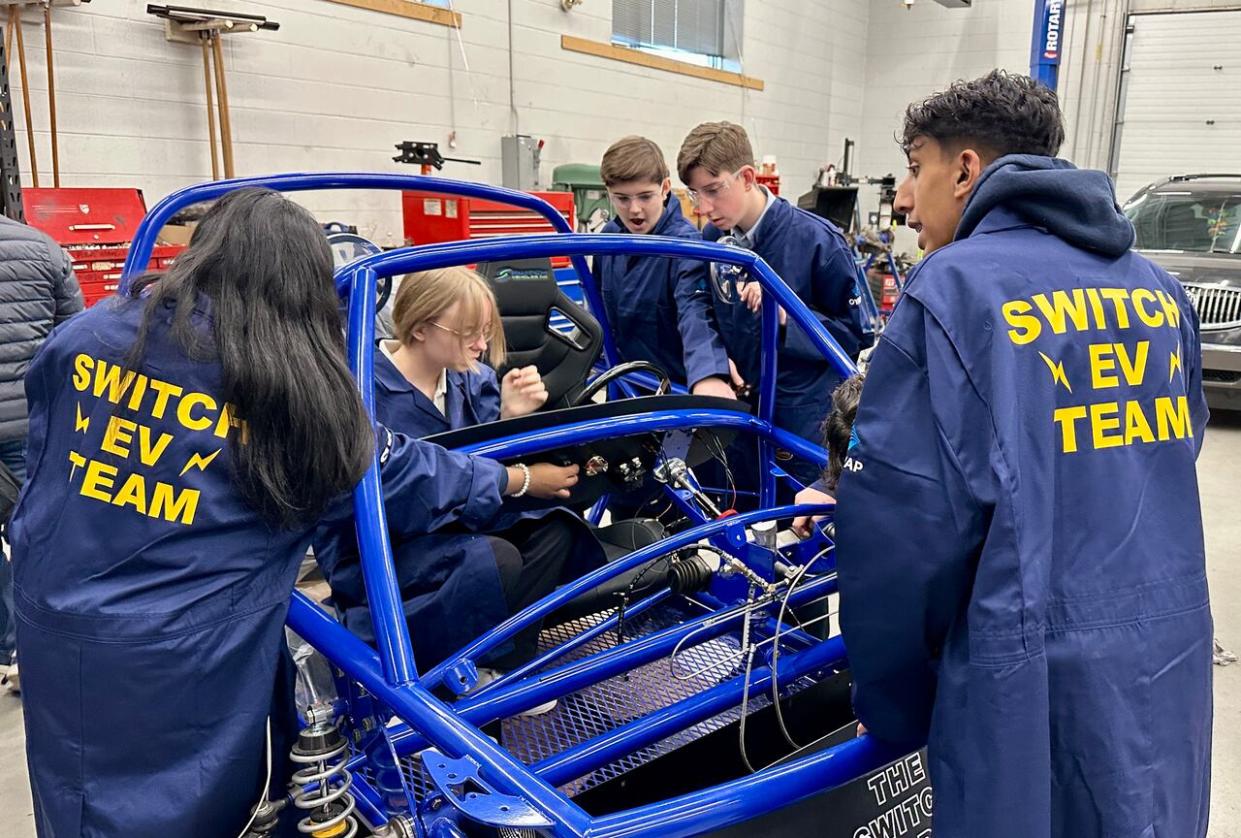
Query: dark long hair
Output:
(265,269)
(838,427)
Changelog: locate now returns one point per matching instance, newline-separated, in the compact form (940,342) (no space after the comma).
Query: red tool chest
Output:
(96,226)
(772,182)
(432,217)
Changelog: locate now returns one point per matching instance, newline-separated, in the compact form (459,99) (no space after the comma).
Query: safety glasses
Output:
(713,192)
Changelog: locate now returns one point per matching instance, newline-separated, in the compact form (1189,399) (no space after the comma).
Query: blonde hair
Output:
(633,159)
(423,297)
(717,147)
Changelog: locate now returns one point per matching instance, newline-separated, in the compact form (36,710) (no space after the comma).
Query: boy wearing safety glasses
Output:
(809,253)
(656,306)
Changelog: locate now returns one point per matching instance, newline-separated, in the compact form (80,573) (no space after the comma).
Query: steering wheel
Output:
(620,371)
(383,290)
(347,246)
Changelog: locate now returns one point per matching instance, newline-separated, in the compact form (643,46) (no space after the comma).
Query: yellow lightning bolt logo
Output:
(78,462)
(1174,364)
(201,462)
(82,423)
(1057,371)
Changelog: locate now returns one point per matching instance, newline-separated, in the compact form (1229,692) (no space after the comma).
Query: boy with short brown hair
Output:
(809,253)
(643,296)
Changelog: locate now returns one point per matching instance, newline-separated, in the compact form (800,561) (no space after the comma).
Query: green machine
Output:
(589,196)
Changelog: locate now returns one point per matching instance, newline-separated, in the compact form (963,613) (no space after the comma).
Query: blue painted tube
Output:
(449,254)
(798,446)
(440,725)
(566,593)
(159,215)
(378,572)
(144,238)
(752,796)
(767,395)
(578,433)
(683,816)
(621,741)
(369,803)
(788,634)
(504,701)
(444,828)
(501,703)
(594,515)
(581,639)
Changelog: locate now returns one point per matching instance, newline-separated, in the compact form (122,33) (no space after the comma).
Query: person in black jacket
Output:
(37,291)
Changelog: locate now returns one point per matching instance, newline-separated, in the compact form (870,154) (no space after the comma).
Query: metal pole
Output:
(15,17)
(226,125)
(215,163)
(1047,41)
(8,36)
(51,94)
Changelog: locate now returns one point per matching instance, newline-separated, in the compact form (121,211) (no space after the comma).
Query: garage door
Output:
(1181,107)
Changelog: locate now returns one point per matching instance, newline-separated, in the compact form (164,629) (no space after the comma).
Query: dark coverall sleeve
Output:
(427,487)
(488,402)
(1191,341)
(833,283)
(700,338)
(909,526)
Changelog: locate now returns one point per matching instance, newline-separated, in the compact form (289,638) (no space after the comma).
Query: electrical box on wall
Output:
(519,162)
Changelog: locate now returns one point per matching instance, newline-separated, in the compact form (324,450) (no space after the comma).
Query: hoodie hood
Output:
(1076,205)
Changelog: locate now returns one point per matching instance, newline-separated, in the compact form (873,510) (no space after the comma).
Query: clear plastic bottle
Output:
(315,683)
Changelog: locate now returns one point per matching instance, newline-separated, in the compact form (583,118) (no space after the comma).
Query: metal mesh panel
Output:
(603,707)
(617,701)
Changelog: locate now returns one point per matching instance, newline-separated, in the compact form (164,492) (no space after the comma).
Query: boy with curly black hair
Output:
(1019,536)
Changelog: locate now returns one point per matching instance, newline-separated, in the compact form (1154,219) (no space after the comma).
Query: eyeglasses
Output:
(713,192)
(481,334)
(640,198)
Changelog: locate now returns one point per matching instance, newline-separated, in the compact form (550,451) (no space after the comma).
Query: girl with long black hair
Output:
(184,443)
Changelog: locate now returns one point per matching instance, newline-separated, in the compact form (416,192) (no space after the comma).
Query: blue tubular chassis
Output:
(480,781)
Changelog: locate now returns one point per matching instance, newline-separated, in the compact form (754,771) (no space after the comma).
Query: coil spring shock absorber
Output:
(323,751)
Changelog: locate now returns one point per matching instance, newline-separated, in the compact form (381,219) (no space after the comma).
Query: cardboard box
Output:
(178,234)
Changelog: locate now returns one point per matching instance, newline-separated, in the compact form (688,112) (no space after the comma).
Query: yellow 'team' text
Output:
(1115,424)
(153,498)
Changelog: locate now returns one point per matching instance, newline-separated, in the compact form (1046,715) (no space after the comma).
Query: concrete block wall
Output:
(337,87)
(913,52)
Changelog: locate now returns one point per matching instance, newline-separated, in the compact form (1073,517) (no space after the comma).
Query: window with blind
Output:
(706,32)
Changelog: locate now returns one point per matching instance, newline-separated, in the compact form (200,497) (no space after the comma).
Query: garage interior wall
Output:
(913,52)
(916,51)
(336,87)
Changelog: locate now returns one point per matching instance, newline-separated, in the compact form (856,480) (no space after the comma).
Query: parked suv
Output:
(1191,226)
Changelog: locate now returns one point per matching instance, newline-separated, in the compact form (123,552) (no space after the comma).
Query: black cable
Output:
(624,597)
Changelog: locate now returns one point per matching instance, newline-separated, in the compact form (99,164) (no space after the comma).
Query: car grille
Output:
(1219,306)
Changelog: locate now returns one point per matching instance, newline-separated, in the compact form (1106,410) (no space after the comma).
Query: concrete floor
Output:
(1220,474)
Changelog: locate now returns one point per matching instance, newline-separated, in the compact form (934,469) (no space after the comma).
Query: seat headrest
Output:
(523,287)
